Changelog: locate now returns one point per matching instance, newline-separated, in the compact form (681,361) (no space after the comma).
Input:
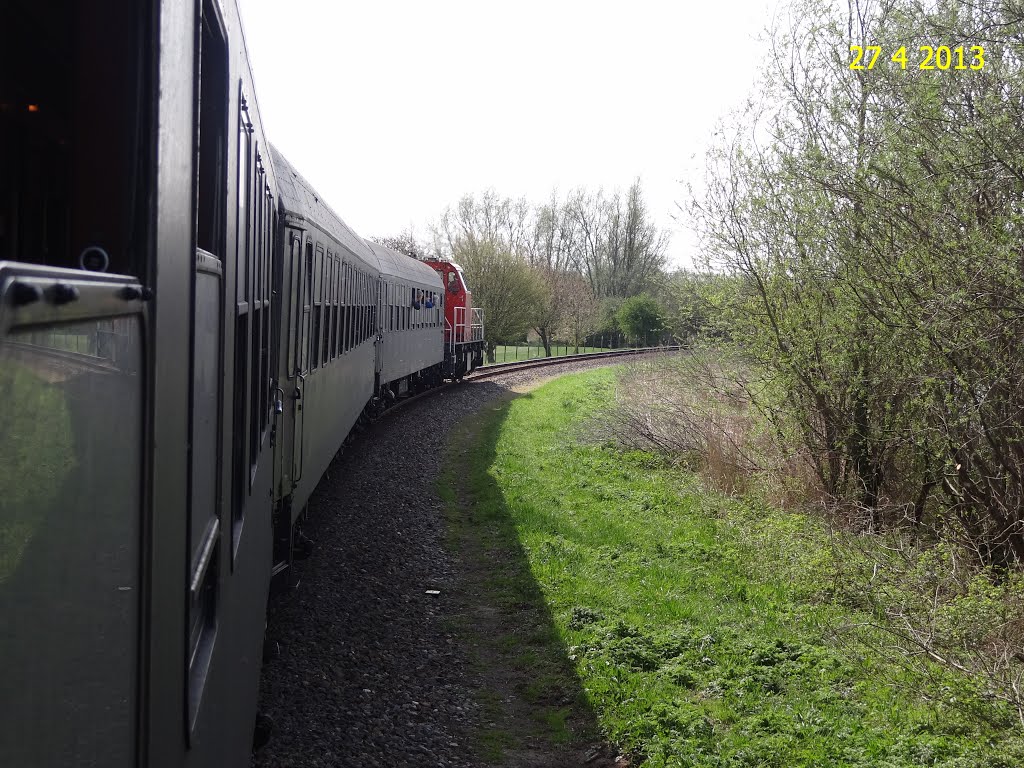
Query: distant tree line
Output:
(560,268)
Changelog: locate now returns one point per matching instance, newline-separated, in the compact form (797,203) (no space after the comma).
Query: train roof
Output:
(395,264)
(299,199)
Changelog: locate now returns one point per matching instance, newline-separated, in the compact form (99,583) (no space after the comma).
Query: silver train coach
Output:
(187,335)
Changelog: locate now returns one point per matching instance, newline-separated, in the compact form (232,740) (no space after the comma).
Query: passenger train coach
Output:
(187,335)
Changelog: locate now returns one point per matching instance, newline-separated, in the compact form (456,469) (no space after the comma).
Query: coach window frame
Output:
(210,201)
(241,484)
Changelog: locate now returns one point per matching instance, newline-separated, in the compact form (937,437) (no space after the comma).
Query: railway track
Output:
(370,667)
(496,369)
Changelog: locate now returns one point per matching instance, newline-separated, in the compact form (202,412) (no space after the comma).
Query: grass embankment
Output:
(692,627)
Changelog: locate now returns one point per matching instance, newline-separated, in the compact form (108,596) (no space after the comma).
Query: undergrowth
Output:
(714,630)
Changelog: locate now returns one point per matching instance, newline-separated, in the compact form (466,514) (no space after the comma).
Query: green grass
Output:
(511,353)
(695,628)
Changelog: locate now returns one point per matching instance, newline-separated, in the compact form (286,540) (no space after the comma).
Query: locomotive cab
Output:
(463,323)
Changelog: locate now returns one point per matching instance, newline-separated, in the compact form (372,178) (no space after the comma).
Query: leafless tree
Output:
(614,242)
(404,242)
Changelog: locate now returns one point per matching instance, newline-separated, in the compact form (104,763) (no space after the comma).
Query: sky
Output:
(395,110)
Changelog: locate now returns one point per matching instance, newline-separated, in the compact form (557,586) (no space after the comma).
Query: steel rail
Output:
(495,369)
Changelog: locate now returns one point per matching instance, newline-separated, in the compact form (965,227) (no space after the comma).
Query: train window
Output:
(242,221)
(328,305)
(255,306)
(210,232)
(346,298)
(344,308)
(332,345)
(318,300)
(254,255)
(255,219)
(334,307)
(75,148)
(335,289)
(240,441)
(362,307)
(348,307)
(328,302)
(212,139)
(305,309)
(243,320)
(265,351)
(337,310)
(202,614)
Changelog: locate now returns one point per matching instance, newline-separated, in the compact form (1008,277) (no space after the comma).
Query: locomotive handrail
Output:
(460,312)
(476,328)
(450,334)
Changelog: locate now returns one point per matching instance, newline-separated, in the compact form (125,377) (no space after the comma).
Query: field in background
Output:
(698,628)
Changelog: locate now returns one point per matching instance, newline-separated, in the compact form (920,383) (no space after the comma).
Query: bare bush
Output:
(695,410)
(933,611)
(921,593)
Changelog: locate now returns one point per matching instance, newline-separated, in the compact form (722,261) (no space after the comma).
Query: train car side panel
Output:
(71,478)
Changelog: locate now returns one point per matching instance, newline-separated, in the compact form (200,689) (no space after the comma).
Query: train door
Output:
(302,270)
(378,332)
(205,524)
(71,469)
(75,335)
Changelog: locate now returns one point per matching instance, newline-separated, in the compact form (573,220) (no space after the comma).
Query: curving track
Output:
(368,671)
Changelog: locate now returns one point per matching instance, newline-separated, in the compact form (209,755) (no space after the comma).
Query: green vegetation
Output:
(640,318)
(36,454)
(871,220)
(701,629)
(558,267)
(527,692)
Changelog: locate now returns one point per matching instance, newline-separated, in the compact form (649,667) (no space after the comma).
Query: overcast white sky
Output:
(394,110)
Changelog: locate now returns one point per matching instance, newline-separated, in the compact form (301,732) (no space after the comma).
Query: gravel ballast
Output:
(368,671)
